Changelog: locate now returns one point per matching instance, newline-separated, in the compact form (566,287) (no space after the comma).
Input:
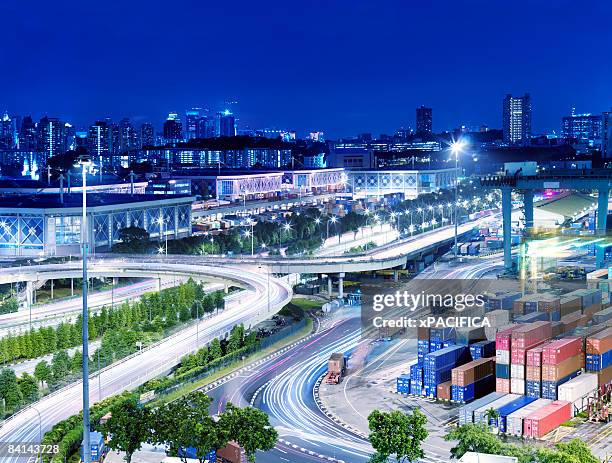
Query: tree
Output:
(492,415)
(9,389)
(236,338)
(133,239)
(42,372)
(184,314)
(397,433)
(214,350)
(574,451)
(28,387)
(60,365)
(128,427)
(473,438)
(250,428)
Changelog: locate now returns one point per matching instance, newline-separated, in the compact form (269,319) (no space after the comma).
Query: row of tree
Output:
(154,312)
(187,424)
(9,304)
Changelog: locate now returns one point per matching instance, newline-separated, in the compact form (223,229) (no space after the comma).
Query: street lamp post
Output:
(456,148)
(85,162)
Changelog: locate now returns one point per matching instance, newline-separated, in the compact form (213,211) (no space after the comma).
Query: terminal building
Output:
(49,225)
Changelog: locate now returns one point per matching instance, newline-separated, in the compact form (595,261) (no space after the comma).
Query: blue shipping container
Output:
(190,452)
(533,389)
(532,317)
(550,388)
(473,391)
(502,370)
(450,356)
(442,334)
(416,388)
(435,346)
(510,408)
(598,362)
(482,349)
(416,372)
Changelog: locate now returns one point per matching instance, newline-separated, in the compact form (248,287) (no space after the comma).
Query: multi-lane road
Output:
(250,307)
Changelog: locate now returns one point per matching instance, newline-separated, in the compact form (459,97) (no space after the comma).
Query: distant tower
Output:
(147,135)
(517,119)
(173,129)
(226,124)
(423,121)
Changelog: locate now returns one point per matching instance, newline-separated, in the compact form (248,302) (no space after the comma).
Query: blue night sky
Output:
(340,66)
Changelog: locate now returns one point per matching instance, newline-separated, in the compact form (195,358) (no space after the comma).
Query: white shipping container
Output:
(479,413)
(578,391)
(517,386)
(517,371)
(514,421)
(502,356)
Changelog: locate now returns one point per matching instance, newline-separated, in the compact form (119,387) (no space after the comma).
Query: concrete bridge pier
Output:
(507,224)
(340,285)
(330,286)
(602,217)
(528,204)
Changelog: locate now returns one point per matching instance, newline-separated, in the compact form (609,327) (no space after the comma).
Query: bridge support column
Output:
(507,224)
(29,294)
(330,286)
(528,204)
(340,285)
(72,286)
(158,285)
(602,217)
(395,275)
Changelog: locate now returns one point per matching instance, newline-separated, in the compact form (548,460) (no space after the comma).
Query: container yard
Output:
(552,364)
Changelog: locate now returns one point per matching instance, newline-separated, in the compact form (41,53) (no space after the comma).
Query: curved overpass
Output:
(264,296)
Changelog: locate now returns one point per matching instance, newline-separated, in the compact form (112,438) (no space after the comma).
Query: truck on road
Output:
(336,367)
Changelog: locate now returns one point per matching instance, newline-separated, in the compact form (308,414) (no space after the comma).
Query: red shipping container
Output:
(534,355)
(604,377)
(444,391)
(502,338)
(519,355)
(502,385)
(560,350)
(599,343)
(531,334)
(547,418)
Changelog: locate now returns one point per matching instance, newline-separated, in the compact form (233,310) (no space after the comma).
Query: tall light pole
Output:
(85,162)
(456,148)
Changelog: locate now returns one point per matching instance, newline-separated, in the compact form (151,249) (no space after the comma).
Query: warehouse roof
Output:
(568,205)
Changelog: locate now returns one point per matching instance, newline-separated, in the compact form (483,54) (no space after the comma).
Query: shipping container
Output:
(514,421)
(502,356)
(533,373)
(464,394)
(604,377)
(473,371)
(599,343)
(466,413)
(510,408)
(550,389)
(529,335)
(517,386)
(403,384)
(533,388)
(504,301)
(544,420)
(562,349)
(441,334)
(578,391)
(502,370)
(416,388)
(443,391)
(480,413)
(603,316)
(517,371)
(532,317)
(503,337)
(469,335)
(502,385)
(482,349)
(563,369)
(450,356)
(598,362)
(416,372)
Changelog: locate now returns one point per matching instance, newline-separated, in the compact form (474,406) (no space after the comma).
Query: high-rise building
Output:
(51,137)
(8,132)
(147,135)
(173,129)
(128,137)
(423,121)
(606,135)
(192,117)
(28,135)
(517,119)
(226,124)
(582,128)
(205,127)
(99,143)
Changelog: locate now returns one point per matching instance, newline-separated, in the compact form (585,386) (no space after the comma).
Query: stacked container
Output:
(473,380)
(480,414)
(603,316)
(403,384)
(578,391)
(524,338)
(533,371)
(503,340)
(503,301)
(514,421)
(444,391)
(562,360)
(599,351)
(438,366)
(547,418)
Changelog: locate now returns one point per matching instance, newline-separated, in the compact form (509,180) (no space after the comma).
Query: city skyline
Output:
(311,81)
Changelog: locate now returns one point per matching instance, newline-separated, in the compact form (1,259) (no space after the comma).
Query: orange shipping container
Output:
(502,385)
(444,390)
(533,374)
(599,343)
(473,371)
(557,372)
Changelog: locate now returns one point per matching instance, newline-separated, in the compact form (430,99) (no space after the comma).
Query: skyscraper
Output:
(205,127)
(128,137)
(606,135)
(147,135)
(173,129)
(7,132)
(582,128)
(192,116)
(27,135)
(51,137)
(423,121)
(99,141)
(226,124)
(517,119)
